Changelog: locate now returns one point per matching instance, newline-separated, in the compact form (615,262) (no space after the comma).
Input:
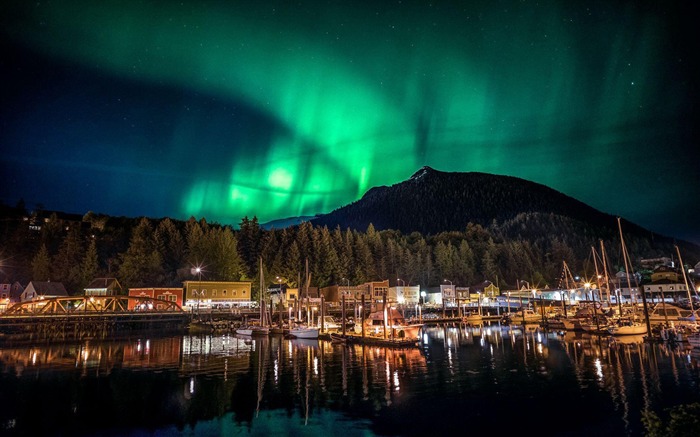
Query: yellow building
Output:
(217,294)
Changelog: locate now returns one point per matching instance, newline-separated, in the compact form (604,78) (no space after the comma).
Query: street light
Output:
(198,270)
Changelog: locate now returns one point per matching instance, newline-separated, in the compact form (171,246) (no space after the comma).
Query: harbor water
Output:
(504,380)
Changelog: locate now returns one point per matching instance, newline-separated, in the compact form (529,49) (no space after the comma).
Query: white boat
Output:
(263,325)
(304,332)
(524,315)
(244,331)
(667,313)
(628,327)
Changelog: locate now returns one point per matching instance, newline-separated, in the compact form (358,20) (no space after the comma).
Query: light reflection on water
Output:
(492,378)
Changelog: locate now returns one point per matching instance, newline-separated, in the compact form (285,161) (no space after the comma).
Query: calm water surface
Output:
(459,380)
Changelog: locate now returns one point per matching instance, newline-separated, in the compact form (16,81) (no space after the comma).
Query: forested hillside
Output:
(154,253)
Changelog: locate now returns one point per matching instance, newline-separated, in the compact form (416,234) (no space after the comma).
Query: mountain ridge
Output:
(431,202)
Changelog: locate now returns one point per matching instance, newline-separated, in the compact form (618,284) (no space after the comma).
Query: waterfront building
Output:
(666,273)
(168,294)
(10,294)
(378,290)
(37,290)
(290,294)
(665,289)
(404,295)
(103,287)
(217,294)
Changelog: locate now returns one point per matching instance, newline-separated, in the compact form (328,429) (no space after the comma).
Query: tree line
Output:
(147,252)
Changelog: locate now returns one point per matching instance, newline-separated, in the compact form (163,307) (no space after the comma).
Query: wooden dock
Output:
(373,341)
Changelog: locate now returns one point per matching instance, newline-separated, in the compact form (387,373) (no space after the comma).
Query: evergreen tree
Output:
(141,265)
(41,265)
(196,246)
(330,267)
(364,267)
(90,265)
(292,264)
(173,249)
(466,265)
(223,260)
(66,263)
(250,244)
(489,262)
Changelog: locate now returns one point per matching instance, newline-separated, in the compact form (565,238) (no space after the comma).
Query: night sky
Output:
(279,109)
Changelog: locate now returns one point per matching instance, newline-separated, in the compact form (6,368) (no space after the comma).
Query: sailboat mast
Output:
(597,274)
(624,256)
(262,303)
(607,276)
(685,278)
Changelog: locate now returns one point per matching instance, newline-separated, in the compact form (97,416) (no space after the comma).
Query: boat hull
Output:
(636,329)
(309,333)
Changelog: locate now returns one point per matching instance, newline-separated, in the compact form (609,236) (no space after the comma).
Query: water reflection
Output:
(225,384)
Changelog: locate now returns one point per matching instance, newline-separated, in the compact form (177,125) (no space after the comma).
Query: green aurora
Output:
(298,109)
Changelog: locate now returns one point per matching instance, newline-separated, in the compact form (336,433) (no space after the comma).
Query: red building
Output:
(169,294)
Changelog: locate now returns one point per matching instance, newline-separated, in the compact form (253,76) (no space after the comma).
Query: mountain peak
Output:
(425,170)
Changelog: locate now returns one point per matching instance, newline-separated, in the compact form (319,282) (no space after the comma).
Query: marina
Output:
(230,384)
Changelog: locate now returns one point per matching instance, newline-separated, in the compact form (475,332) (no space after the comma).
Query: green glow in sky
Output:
(362,94)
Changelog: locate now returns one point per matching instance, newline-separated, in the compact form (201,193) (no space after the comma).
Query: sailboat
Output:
(262,327)
(305,331)
(625,257)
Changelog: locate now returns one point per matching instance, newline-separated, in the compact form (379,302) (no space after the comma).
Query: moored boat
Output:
(628,327)
(524,315)
(667,313)
(473,318)
(260,330)
(304,332)
(389,324)
(338,338)
(244,331)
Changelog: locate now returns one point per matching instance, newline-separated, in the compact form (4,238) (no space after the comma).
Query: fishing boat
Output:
(389,324)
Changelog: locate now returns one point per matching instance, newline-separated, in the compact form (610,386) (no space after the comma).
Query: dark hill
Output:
(432,201)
